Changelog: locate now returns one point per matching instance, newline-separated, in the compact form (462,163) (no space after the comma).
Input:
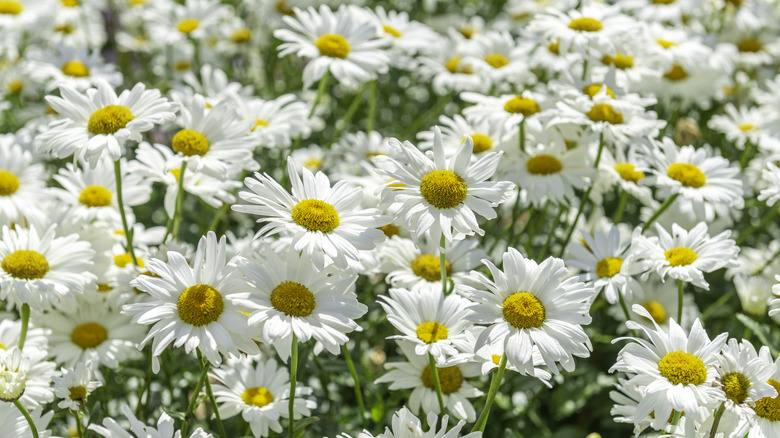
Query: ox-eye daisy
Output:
(766,422)
(98,119)
(744,374)
(193,306)
(323,220)
(440,196)
(530,304)
(74,386)
(22,182)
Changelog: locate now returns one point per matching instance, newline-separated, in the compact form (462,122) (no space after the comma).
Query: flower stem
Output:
(356,380)
(128,231)
(27,417)
(79,427)
(494,384)
(443,265)
(521,134)
(177,212)
(556,222)
(625,311)
(214,403)
(676,418)
(660,210)
(25,324)
(347,116)
(195,397)
(679,301)
(320,92)
(435,110)
(371,107)
(716,421)
(743,159)
(621,207)
(436,382)
(293,378)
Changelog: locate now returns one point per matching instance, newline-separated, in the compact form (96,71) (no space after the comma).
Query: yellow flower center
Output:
(183,65)
(89,335)
(190,142)
(69,3)
(681,367)
(608,267)
(585,24)
(391,31)
(453,66)
(554,48)
(543,165)
(200,305)
(9,183)
(11,7)
(15,87)
(333,45)
(593,89)
(123,260)
(103,287)
(619,60)
(736,386)
(316,215)
(481,142)
(688,174)
(259,122)
(428,266)
(467,31)
(313,163)
(293,299)
(443,188)
(628,172)
(26,264)
(680,256)
(656,310)
(663,2)
(176,173)
(241,35)
(75,68)
(665,43)
(749,45)
(496,60)
(187,25)
(2,346)
(522,105)
(257,396)
(496,358)
(769,407)
(109,119)
(78,394)
(450,379)
(676,73)
(390,230)
(523,310)
(745,127)
(603,112)
(430,332)
(95,196)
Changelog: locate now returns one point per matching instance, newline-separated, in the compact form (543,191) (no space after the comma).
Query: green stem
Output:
(620,208)
(177,213)
(745,154)
(79,427)
(495,382)
(765,220)
(347,116)
(320,92)
(679,301)
(660,210)
(121,204)
(511,227)
(139,409)
(293,378)
(624,306)
(221,212)
(521,134)
(716,421)
(27,417)
(210,394)
(371,107)
(543,252)
(436,109)
(356,380)
(194,400)
(436,382)
(676,418)
(25,324)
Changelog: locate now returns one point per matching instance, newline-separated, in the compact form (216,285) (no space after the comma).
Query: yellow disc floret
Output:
(736,386)
(481,142)
(680,256)
(260,122)
(769,407)
(604,112)
(688,174)
(241,35)
(628,172)
(443,188)
(524,310)
(621,61)
(316,215)
(125,259)
(676,73)
(608,267)
(293,299)
(190,142)
(749,45)
(543,165)
(496,60)
(95,196)
(390,230)
(333,45)
(188,25)
(450,379)
(684,368)
(656,310)
(593,89)
(430,332)
(428,266)
(585,24)
(257,396)
(89,335)
(9,183)
(75,68)
(522,105)
(25,264)
(78,393)
(200,305)
(391,31)
(11,7)
(109,119)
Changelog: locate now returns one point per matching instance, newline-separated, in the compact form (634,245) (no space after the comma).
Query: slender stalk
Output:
(511,227)
(214,404)
(679,301)
(745,154)
(194,400)
(660,210)
(293,378)
(356,380)
(676,418)
(436,382)
(521,134)
(624,306)
(436,109)
(27,417)
(25,324)
(320,92)
(620,208)
(347,116)
(495,382)
(716,421)
(128,231)
(221,212)
(147,382)
(371,107)
(443,265)
(177,212)
(543,252)
(79,427)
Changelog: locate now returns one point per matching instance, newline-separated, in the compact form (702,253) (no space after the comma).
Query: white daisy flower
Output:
(277,121)
(195,19)
(408,37)
(448,69)
(439,196)
(508,110)
(766,422)
(675,370)
(292,296)
(744,374)
(193,306)
(659,300)
(323,220)
(742,125)
(489,356)
(165,428)
(74,68)
(75,386)
(98,119)
(771,176)
(497,57)
(623,170)
(260,393)
(486,136)
(22,182)
(530,304)
(43,270)
(406,425)
(340,43)
(14,367)
(684,255)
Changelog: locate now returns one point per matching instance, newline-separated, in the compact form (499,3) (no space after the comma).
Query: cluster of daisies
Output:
(234,218)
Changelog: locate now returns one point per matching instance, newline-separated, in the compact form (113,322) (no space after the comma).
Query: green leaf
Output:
(300,426)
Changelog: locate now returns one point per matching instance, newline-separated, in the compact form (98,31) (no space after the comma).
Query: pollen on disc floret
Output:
(25,264)
(200,305)
(443,188)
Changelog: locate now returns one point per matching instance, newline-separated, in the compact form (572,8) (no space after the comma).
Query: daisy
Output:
(407,37)
(43,270)
(406,425)
(659,300)
(22,182)
(193,306)
(291,297)
(508,110)
(486,136)
(624,170)
(75,386)
(744,374)
(340,43)
(742,125)
(684,255)
(767,415)
(97,120)
(416,373)
(164,429)
(37,391)
(439,196)
(323,220)
(195,19)
(530,304)
(771,176)
(74,68)
(277,121)
(260,393)
(490,355)
(497,57)
(448,69)
(675,370)
(14,367)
